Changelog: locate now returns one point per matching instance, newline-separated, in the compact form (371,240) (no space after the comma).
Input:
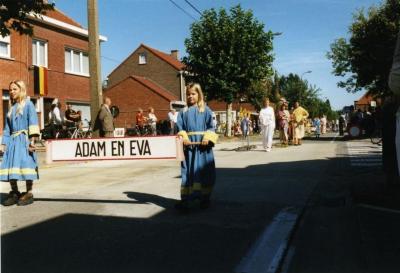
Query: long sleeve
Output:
(394,77)
(33,125)
(210,134)
(6,133)
(181,127)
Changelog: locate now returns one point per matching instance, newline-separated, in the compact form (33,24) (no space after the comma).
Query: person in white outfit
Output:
(267,123)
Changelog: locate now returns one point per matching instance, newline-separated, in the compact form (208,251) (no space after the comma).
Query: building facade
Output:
(59,46)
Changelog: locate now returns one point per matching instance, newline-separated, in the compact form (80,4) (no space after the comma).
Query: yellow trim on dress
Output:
(211,136)
(195,133)
(184,135)
(17,133)
(18,171)
(34,130)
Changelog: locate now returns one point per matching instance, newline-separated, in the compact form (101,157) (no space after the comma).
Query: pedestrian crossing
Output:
(364,154)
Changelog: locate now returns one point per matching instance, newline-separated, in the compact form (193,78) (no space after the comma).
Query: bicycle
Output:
(376,136)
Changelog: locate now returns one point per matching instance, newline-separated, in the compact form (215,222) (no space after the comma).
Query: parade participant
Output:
(323,123)
(300,115)
(283,122)
(244,125)
(198,169)
(152,120)
(140,120)
(19,159)
(106,119)
(317,125)
(172,118)
(267,122)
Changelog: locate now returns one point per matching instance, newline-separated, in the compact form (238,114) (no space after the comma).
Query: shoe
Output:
(25,199)
(12,198)
(268,150)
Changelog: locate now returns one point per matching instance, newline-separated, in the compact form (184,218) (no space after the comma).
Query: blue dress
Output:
(18,163)
(317,124)
(198,169)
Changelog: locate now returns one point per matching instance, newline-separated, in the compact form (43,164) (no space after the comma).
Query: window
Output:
(76,62)
(39,53)
(142,58)
(5,50)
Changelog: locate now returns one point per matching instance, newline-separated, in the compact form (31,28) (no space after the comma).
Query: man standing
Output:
(172,118)
(300,115)
(106,119)
(267,122)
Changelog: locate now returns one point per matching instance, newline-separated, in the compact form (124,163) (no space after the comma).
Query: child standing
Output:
(195,126)
(19,160)
(317,125)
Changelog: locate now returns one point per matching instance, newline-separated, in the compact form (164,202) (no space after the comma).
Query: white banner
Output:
(165,147)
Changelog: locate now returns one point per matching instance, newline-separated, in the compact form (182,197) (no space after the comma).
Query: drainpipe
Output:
(183,97)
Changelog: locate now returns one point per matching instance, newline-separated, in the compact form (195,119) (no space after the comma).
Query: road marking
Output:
(364,155)
(288,259)
(334,138)
(267,252)
(379,208)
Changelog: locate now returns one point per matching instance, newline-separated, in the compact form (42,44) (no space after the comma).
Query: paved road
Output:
(119,216)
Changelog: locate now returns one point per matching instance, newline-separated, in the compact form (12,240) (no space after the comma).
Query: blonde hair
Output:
(196,87)
(21,99)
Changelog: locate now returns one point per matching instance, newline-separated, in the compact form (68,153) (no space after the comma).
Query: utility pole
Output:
(96,93)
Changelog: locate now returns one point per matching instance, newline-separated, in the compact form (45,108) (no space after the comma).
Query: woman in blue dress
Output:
(19,159)
(195,126)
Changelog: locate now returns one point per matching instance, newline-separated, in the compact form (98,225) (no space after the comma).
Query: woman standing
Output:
(267,122)
(152,119)
(283,121)
(19,160)
(198,170)
(300,115)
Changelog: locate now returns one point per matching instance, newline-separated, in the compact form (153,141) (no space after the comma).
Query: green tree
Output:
(13,14)
(228,54)
(293,88)
(365,59)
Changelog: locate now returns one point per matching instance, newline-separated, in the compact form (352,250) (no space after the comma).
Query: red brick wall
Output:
(129,95)
(61,85)
(155,69)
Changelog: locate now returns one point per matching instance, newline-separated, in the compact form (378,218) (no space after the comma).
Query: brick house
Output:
(60,46)
(147,77)
(366,101)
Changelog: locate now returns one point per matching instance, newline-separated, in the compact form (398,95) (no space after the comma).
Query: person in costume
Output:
(300,116)
(267,122)
(19,159)
(195,126)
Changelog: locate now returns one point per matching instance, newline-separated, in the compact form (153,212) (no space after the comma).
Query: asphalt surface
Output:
(119,216)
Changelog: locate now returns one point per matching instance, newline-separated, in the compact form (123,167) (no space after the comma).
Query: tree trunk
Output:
(228,131)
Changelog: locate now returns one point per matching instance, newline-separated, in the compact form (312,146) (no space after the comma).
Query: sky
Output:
(308,28)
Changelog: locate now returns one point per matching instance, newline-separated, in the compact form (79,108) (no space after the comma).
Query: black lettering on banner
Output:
(147,148)
(85,147)
(93,150)
(101,147)
(133,147)
(78,151)
(121,150)
(114,148)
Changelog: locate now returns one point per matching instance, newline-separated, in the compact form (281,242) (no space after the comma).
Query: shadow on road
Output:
(244,202)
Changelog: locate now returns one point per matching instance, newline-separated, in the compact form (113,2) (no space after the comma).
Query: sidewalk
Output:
(351,224)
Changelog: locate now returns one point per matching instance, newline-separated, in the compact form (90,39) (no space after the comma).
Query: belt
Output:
(17,133)
(195,133)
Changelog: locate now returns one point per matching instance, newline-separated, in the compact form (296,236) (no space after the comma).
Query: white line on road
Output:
(267,252)
(378,208)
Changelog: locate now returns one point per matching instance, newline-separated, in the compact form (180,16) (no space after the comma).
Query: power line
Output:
(193,7)
(179,7)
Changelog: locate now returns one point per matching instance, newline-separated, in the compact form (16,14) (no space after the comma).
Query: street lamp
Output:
(301,79)
(307,72)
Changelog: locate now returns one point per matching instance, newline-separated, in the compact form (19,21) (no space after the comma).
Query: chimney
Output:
(174,54)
